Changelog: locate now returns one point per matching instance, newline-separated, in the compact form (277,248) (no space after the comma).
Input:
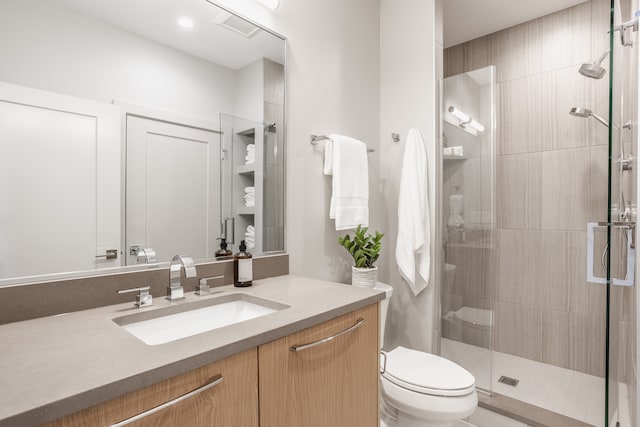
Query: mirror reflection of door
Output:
(66,198)
(172,180)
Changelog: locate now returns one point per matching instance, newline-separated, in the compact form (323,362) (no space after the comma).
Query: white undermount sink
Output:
(187,319)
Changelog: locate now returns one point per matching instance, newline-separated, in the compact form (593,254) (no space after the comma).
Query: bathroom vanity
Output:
(83,368)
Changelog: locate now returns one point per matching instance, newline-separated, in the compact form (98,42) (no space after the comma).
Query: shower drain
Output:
(508,381)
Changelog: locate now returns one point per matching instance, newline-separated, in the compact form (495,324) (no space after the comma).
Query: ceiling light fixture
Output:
(185,22)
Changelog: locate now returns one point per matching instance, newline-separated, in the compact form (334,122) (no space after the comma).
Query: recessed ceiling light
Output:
(185,22)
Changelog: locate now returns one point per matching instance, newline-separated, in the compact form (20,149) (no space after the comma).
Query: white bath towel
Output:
(414,228)
(328,157)
(250,190)
(350,185)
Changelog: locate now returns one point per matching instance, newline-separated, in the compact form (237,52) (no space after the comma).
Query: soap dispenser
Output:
(223,252)
(242,267)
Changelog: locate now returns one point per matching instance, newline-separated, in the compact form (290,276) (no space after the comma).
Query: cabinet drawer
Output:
(332,382)
(231,403)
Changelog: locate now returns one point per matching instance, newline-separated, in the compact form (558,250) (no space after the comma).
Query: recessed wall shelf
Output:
(246,169)
(246,210)
(457,158)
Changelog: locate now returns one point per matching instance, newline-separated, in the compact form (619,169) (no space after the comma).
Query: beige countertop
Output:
(56,365)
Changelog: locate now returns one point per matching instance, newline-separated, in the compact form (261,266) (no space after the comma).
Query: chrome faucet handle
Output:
(144,297)
(203,286)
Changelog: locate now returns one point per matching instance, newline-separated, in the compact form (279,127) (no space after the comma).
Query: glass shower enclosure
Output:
(538,191)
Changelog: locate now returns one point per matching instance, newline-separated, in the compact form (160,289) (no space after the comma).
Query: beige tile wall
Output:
(551,178)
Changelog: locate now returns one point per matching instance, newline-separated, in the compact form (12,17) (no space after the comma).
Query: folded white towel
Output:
(249,190)
(251,229)
(249,203)
(350,195)
(251,154)
(453,151)
(414,228)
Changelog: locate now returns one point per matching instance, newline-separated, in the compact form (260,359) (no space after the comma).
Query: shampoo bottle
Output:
(223,252)
(242,267)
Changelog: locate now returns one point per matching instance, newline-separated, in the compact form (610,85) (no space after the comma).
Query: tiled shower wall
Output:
(274,157)
(551,178)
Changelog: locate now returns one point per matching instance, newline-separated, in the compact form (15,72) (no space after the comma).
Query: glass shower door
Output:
(622,193)
(468,221)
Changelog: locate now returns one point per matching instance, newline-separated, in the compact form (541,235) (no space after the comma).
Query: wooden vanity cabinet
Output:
(333,383)
(231,403)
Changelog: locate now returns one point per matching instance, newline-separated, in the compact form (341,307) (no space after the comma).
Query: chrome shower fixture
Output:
(583,112)
(594,70)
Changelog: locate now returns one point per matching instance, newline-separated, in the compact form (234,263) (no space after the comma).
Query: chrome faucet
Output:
(175,291)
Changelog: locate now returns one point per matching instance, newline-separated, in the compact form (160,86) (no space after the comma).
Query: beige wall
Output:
(551,179)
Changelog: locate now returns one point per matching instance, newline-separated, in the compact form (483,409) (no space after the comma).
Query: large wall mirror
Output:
(134,130)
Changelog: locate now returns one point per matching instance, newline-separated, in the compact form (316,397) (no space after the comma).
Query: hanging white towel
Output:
(414,228)
(350,195)
(328,157)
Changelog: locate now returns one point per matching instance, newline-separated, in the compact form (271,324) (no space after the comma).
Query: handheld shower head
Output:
(594,70)
(584,112)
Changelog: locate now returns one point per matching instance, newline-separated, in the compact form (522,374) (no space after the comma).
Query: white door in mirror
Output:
(51,220)
(173,181)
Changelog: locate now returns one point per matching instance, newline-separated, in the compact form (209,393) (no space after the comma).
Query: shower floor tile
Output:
(570,393)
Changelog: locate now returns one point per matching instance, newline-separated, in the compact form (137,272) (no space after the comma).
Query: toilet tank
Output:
(384,306)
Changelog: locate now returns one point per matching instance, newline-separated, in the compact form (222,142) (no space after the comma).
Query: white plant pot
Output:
(364,277)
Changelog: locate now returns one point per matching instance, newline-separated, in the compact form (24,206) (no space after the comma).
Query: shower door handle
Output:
(629,229)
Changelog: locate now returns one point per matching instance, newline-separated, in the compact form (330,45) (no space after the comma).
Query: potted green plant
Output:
(365,249)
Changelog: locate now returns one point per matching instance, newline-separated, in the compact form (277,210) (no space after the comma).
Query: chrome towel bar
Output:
(317,138)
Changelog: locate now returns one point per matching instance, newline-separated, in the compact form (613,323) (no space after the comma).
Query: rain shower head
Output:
(594,70)
(584,112)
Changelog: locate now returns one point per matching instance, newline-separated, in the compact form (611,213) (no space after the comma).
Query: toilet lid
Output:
(427,373)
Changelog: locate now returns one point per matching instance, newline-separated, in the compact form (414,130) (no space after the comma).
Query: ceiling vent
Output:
(236,24)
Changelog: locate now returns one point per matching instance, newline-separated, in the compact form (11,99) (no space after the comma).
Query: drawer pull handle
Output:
(301,347)
(212,382)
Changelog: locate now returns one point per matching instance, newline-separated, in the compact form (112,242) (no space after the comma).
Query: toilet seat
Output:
(427,373)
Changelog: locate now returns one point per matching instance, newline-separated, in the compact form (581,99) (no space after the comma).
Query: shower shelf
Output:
(454,158)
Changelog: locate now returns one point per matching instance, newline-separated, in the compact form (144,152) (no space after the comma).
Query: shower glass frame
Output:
(622,200)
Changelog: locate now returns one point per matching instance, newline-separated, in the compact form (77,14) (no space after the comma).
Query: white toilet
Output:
(420,389)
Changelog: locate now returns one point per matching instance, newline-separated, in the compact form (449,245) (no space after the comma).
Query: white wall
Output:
(250,92)
(341,80)
(76,56)
(332,87)
(408,72)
